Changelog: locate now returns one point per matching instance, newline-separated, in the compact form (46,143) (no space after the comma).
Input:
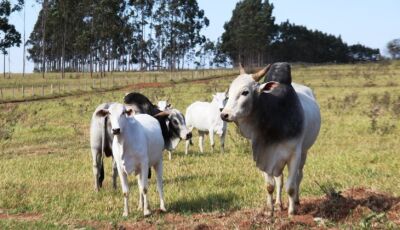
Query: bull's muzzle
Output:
(225,116)
(116,131)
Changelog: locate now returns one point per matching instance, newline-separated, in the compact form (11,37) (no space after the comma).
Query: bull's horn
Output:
(241,69)
(162,114)
(257,76)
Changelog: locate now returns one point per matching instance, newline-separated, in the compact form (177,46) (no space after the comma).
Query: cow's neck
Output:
(246,127)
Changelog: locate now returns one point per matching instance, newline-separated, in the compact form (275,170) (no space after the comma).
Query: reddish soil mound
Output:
(353,207)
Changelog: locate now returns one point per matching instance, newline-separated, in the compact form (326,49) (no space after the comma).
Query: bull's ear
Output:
(102,112)
(129,112)
(169,106)
(268,87)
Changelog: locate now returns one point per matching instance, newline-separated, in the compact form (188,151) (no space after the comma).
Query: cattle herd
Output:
(280,118)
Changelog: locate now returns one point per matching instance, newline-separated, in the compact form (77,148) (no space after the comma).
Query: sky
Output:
(369,22)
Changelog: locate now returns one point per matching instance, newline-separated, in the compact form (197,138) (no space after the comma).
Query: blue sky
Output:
(369,22)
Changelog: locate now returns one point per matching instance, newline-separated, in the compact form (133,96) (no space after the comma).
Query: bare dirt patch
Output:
(353,207)
(20,216)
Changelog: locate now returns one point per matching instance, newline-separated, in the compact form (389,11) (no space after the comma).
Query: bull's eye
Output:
(175,122)
(244,93)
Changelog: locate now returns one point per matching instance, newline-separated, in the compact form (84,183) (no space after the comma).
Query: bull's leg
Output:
(140,203)
(291,184)
(211,134)
(159,170)
(187,146)
(201,139)
(223,142)
(144,187)
(279,186)
(115,173)
(300,176)
(169,155)
(269,180)
(125,189)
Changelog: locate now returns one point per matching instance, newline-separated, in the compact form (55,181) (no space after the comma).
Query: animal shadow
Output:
(208,203)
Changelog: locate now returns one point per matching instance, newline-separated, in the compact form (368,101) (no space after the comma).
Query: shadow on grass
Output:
(208,203)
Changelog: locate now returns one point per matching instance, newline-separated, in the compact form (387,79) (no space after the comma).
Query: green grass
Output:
(45,162)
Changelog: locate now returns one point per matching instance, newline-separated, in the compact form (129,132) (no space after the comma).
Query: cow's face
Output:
(240,98)
(117,114)
(220,99)
(241,95)
(176,122)
(179,124)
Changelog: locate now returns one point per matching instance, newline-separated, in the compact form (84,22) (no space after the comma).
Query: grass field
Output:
(46,169)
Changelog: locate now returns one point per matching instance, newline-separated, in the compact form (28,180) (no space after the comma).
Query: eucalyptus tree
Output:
(9,36)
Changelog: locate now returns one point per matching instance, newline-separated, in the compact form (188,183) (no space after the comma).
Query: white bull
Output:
(205,117)
(137,145)
(282,121)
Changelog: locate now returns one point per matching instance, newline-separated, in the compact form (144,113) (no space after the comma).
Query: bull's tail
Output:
(100,164)
(190,141)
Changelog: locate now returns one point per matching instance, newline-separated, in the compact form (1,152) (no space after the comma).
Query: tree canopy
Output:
(393,47)
(251,37)
(111,35)
(9,36)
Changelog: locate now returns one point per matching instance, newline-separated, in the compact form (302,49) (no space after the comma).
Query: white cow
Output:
(137,145)
(281,119)
(205,117)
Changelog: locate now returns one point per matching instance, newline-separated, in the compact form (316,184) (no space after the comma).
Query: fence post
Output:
(42,90)
(23,92)
(51,89)
(112,84)
(33,91)
(1,92)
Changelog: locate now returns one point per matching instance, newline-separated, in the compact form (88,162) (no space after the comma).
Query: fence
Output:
(24,89)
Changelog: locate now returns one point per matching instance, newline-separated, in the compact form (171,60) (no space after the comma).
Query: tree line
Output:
(123,35)
(253,38)
(112,35)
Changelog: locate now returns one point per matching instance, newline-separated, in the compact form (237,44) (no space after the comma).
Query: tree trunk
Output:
(44,37)
(4,64)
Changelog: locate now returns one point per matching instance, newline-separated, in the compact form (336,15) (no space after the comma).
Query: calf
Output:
(205,117)
(137,145)
(281,121)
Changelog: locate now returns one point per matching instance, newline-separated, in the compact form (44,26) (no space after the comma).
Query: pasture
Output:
(46,168)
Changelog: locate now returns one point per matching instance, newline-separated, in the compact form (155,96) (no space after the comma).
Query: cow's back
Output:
(312,116)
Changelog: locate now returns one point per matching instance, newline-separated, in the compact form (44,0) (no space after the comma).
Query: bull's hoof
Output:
(163,209)
(269,213)
(125,214)
(291,213)
(278,206)
(147,213)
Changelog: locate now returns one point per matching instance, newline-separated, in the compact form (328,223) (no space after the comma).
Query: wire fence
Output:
(26,89)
